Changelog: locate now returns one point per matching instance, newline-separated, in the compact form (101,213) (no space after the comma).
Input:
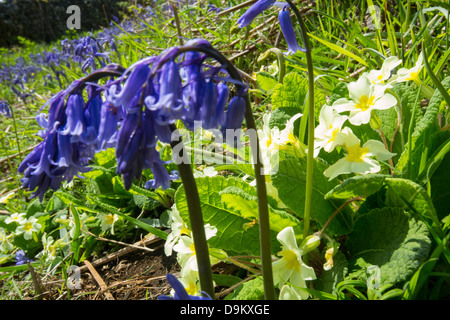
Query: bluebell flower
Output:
(4,109)
(134,83)
(254,11)
(180,291)
(288,31)
(284,19)
(21,258)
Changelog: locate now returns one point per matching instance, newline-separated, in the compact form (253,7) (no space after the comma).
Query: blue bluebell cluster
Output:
(131,112)
(284,19)
(180,292)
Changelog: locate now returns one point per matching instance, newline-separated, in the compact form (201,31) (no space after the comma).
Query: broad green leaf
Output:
(291,93)
(392,239)
(362,186)
(408,195)
(290,181)
(250,290)
(280,116)
(235,232)
(266,81)
(247,205)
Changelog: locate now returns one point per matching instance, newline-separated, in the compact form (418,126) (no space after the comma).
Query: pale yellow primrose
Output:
(364,98)
(359,159)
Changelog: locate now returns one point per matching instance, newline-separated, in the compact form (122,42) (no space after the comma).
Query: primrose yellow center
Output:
(356,153)
(413,76)
(185,231)
(291,259)
(109,219)
(27,226)
(192,248)
(269,141)
(191,289)
(291,138)
(364,102)
(333,135)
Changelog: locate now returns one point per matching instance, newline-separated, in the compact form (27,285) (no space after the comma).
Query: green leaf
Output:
(291,93)
(362,186)
(250,290)
(290,181)
(247,206)
(421,136)
(339,49)
(234,231)
(280,116)
(395,241)
(440,188)
(266,81)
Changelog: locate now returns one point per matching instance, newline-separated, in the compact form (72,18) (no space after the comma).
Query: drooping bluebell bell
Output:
(288,31)
(255,10)
(180,291)
(283,17)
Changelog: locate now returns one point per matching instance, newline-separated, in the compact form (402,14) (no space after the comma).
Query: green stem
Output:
(196,220)
(264,224)
(311,122)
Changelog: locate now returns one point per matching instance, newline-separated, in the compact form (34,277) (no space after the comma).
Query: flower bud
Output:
(310,243)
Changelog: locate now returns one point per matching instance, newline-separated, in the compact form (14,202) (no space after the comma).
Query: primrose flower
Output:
(329,254)
(178,227)
(180,292)
(287,140)
(382,76)
(364,98)
(405,74)
(107,221)
(327,132)
(290,268)
(15,217)
(359,159)
(186,249)
(5,244)
(49,248)
(28,227)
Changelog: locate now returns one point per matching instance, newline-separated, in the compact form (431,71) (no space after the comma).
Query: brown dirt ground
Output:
(137,275)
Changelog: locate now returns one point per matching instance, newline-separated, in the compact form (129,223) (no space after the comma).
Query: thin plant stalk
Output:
(196,220)
(311,122)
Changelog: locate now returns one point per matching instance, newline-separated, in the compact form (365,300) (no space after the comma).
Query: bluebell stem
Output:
(180,291)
